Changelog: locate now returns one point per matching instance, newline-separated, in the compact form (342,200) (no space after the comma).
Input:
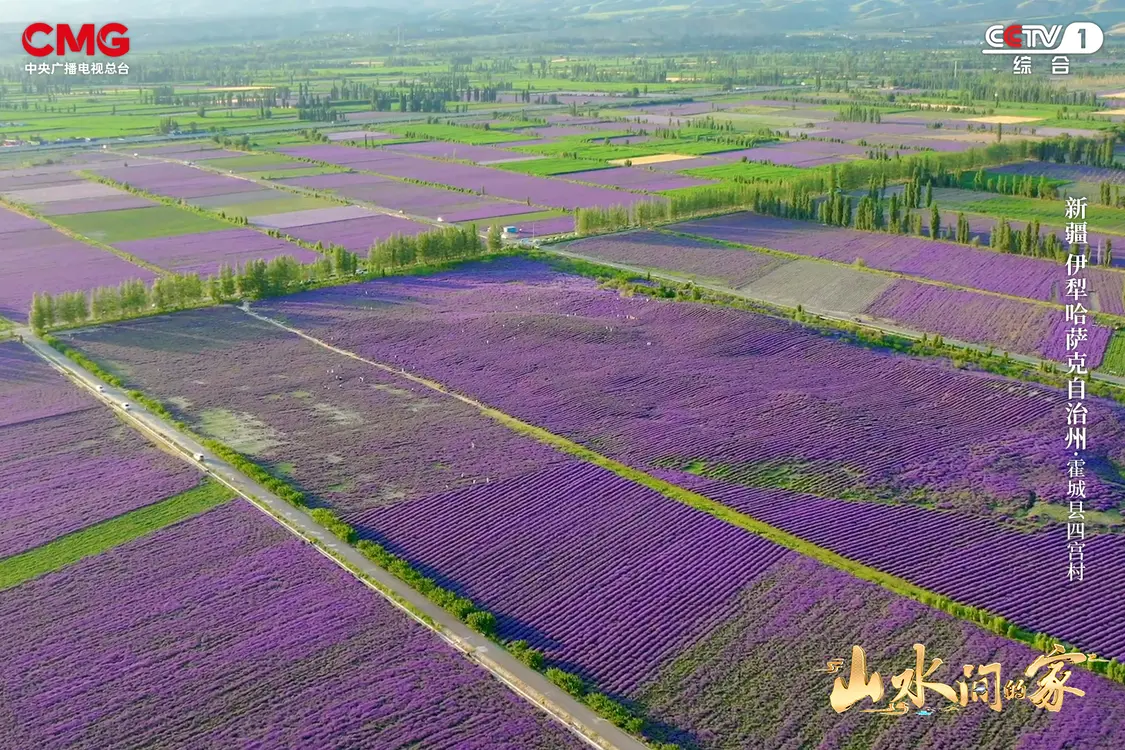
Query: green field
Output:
(549,166)
(283,203)
(453,133)
(1047,212)
(250,162)
(93,540)
(1114,360)
(139,223)
(748,171)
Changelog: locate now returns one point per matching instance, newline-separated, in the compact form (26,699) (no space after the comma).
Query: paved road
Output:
(593,729)
(865,320)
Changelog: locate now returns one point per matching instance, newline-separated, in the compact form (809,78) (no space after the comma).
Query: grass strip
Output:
(93,540)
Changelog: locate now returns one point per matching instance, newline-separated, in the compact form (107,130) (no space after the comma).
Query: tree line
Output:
(255,279)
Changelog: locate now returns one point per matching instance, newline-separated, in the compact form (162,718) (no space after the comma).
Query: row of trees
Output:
(253,280)
(1110,195)
(452,243)
(858,113)
(767,199)
(1067,149)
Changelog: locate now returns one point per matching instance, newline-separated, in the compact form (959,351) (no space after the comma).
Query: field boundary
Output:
(103,536)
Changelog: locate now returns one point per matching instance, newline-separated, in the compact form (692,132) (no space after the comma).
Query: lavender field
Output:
(896,422)
(805,153)
(607,577)
(754,403)
(173,180)
(948,262)
(1069,172)
(352,436)
(65,461)
(357,235)
(1008,325)
(205,252)
(752,682)
(224,630)
(421,200)
(538,191)
(49,261)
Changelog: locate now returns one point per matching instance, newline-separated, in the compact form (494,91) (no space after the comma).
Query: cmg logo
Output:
(110,39)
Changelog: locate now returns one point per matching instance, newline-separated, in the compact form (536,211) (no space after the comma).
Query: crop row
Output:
(65,463)
(226,616)
(599,573)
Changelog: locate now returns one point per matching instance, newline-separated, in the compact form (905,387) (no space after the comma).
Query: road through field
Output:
(865,320)
(530,684)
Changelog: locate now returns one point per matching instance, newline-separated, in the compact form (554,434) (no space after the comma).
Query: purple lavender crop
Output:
(752,399)
(357,235)
(225,631)
(526,322)
(1009,325)
(1068,172)
(310,216)
(694,258)
(763,663)
(525,548)
(407,197)
(540,191)
(205,252)
(92,205)
(351,435)
(801,153)
(49,261)
(1017,275)
(66,462)
(174,180)
(443,150)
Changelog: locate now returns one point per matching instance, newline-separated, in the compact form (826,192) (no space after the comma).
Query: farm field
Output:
(318,424)
(65,461)
(550,166)
(695,259)
(1099,218)
(488,540)
(1006,324)
(421,200)
(537,191)
(748,170)
(1114,361)
(113,227)
(877,458)
(452,133)
(947,262)
(50,261)
(634,178)
(204,252)
(357,235)
(174,180)
(228,616)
